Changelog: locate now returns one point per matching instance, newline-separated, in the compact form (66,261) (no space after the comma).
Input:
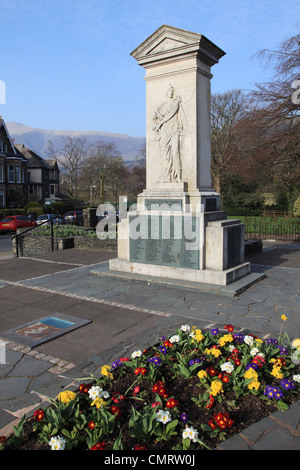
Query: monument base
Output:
(201,247)
(206,276)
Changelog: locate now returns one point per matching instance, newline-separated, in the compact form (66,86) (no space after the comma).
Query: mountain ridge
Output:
(37,139)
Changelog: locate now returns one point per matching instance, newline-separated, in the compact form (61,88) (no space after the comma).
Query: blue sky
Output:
(66,65)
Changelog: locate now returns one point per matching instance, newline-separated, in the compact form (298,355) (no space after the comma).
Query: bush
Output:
(37,210)
(32,204)
(7,212)
(242,212)
(296,210)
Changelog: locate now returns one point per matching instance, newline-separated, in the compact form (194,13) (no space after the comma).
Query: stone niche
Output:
(177,229)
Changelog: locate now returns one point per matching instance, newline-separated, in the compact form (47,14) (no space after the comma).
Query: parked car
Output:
(73,217)
(13,222)
(46,217)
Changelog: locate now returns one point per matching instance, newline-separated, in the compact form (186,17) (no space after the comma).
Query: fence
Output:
(288,230)
(276,213)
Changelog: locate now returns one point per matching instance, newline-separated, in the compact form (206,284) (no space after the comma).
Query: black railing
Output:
(276,229)
(33,228)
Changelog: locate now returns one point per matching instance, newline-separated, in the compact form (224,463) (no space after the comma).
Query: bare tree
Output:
(105,168)
(71,157)
(277,93)
(281,117)
(226,110)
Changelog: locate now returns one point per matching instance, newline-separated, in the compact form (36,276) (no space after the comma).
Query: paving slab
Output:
(127,314)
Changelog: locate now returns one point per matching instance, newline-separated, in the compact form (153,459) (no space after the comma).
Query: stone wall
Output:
(95,243)
(31,245)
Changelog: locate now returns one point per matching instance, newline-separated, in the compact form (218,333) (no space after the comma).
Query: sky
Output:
(67,66)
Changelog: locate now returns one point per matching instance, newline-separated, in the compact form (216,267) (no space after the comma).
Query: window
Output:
(2,203)
(1,173)
(18,174)
(53,189)
(1,146)
(11,174)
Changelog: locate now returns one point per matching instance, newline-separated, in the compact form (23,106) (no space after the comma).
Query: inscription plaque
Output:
(165,240)
(163,204)
(233,244)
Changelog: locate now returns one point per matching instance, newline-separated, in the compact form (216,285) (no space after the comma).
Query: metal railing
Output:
(272,229)
(33,228)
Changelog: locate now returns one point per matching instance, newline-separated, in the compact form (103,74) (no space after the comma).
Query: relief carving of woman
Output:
(169,125)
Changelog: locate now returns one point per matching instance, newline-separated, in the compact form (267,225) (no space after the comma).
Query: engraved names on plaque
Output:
(164,240)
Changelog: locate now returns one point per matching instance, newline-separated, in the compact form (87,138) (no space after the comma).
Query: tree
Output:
(278,93)
(136,179)
(71,157)
(226,110)
(105,169)
(281,116)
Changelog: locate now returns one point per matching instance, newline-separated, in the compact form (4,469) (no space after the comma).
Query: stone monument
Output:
(177,229)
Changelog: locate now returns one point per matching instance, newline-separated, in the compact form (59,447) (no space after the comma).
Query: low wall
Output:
(30,245)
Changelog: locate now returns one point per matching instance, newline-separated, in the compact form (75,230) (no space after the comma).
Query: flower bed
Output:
(190,391)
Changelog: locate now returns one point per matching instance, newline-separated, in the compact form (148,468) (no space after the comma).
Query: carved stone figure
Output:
(169,125)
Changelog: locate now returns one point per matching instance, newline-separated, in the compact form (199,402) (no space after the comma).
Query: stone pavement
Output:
(127,315)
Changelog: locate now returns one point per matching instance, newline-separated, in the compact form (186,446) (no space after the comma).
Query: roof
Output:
(34,160)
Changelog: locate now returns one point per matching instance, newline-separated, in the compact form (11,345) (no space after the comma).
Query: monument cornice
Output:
(168,43)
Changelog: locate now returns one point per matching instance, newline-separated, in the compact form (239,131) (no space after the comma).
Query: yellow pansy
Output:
(250,374)
(225,339)
(216,387)
(98,402)
(201,374)
(66,396)
(254,384)
(105,371)
(296,343)
(276,372)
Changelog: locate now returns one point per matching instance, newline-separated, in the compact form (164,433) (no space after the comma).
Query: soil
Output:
(244,411)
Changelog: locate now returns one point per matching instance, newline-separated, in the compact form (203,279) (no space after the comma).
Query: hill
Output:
(37,139)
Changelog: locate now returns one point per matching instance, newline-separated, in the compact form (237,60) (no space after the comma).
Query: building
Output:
(24,175)
(43,176)
(13,172)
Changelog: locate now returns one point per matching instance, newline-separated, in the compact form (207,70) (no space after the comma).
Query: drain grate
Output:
(44,329)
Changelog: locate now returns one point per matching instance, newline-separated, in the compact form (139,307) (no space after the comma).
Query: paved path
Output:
(127,315)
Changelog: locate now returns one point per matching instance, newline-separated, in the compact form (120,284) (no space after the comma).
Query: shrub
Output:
(37,210)
(296,210)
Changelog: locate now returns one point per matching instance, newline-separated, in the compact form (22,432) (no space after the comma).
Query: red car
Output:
(13,222)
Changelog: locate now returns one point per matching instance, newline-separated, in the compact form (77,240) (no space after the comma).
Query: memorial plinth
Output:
(177,229)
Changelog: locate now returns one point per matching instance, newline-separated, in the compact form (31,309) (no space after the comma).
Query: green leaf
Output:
(118,443)
(281,405)
(171,426)
(66,433)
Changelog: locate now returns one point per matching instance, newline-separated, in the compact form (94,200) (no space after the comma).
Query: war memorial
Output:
(177,229)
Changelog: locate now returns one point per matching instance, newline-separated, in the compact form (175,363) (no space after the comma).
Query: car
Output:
(47,217)
(13,222)
(73,217)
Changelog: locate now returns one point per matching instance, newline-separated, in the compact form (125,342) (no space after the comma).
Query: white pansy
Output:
(175,339)
(105,394)
(254,352)
(57,443)
(296,343)
(190,433)
(227,367)
(249,340)
(137,353)
(295,357)
(185,328)
(163,416)
(296,378)
(95,392)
